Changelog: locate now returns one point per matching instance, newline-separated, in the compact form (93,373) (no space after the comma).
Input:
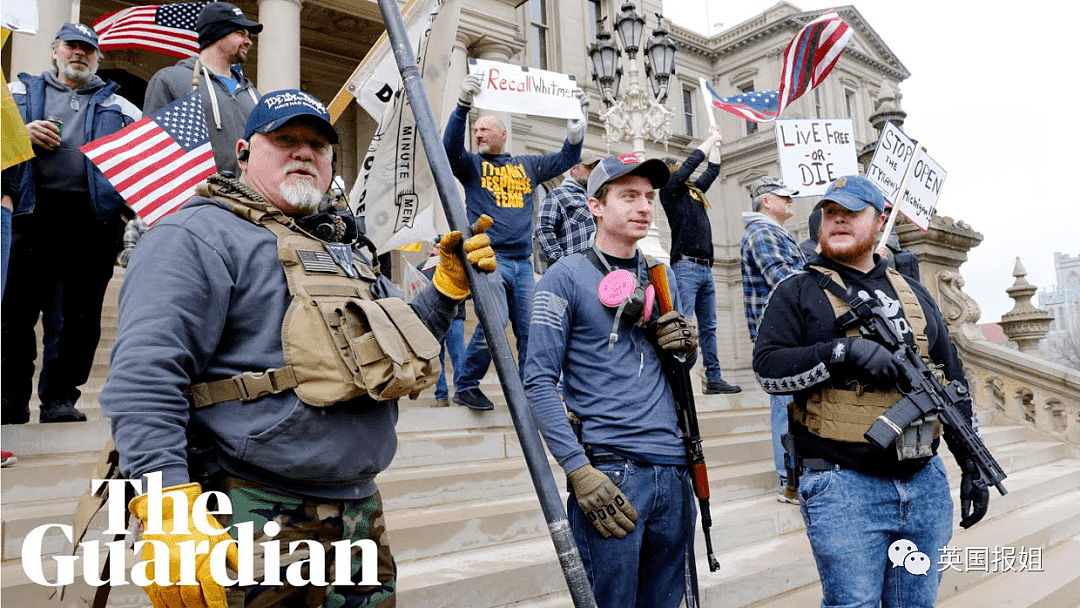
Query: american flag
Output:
(160,28)
(156,162)
(758,106)
(811,55)
(808,59)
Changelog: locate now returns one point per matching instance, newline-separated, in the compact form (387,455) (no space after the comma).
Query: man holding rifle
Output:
(631,508)
(863,503)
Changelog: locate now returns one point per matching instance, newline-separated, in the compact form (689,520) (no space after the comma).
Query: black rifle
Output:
(677,372)
(926,395)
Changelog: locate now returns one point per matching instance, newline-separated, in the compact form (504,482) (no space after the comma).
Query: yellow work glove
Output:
(208,593)
(603,502)
(675,332)
(450,277)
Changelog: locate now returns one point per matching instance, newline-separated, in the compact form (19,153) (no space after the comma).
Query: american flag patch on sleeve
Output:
(548,309)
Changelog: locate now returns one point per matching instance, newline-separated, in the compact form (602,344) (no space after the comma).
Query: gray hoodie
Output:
(226,113)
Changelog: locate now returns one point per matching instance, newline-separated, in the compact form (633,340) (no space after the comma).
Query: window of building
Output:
(688,111)
(851,104)
(538,33)
(751,126)
(592,15)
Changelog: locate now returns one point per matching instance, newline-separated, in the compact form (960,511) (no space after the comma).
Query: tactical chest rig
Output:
(339,341)
(845,415)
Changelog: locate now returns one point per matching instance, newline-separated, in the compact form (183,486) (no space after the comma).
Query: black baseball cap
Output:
(219,19)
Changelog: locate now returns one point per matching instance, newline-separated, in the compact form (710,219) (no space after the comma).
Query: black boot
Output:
(61,410)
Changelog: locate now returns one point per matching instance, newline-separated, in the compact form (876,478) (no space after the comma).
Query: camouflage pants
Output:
(310,519)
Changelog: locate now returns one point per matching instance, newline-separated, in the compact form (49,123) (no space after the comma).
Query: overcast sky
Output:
(989,98)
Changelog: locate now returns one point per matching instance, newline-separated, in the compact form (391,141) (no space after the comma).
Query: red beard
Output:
(850,255)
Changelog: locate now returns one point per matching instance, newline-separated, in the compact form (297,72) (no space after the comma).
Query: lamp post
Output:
(637,114)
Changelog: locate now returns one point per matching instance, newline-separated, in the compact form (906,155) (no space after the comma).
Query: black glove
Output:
(973,500)
(866,358)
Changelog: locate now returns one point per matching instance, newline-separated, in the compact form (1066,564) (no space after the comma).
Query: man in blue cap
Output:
(227,95)
(65,230)
(866,508)
(242,366)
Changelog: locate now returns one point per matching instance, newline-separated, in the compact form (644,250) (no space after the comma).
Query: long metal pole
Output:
(484,299)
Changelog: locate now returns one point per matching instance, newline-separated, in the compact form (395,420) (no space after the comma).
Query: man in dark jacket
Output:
(868,511)
(692,251)
(227,95)
(65,230)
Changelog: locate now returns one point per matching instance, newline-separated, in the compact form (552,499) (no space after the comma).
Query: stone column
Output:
(942,248)
(279,45)
(459,68)
(33,53)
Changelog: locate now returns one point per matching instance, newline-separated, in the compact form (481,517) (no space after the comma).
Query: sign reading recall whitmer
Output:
(815,152)
(890,162)
(512,88)
(923,191)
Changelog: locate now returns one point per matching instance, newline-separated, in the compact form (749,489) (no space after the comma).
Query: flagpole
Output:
(484,299)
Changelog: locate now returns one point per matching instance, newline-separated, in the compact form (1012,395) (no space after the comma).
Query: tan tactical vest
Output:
(844,415)
(339,343)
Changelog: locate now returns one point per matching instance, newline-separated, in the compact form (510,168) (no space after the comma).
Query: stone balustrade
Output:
(1009,386)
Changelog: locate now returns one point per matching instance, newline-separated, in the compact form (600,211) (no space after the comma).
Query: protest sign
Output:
(890,161)
(923,190)
(512,88)
(814,152)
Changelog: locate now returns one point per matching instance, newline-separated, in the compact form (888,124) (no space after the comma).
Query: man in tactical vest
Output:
(261,361)
(866,509)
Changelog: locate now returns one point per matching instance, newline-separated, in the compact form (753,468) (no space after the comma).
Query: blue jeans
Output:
(779,425)
(647,568)
(454,342)
(697,294)
(514,285)
(5,245)
(852,521)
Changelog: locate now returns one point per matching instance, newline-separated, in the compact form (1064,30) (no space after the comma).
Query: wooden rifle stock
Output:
(677,371)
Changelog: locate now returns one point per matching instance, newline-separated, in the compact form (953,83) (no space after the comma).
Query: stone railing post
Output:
(1024,324)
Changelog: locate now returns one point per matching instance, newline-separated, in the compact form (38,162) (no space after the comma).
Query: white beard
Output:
(78,74)
(301,195)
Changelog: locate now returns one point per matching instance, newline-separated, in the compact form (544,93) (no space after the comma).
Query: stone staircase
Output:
(467,529)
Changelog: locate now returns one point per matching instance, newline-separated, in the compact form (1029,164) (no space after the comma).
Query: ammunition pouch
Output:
(339,342)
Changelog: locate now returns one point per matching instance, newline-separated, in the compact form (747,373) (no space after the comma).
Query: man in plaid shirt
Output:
(769,254)
(565,224)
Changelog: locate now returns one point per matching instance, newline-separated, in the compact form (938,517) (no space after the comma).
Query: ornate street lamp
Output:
(637,114)
(606,70)
(660,60)
(630,26)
